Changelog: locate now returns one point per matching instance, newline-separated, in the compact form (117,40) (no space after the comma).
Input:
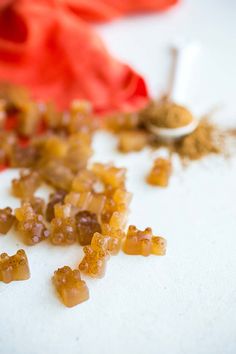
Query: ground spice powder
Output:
(206,139)
(166,114)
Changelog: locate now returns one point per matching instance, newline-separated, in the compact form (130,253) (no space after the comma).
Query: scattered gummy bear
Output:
(94,262)
(70,287)
(160,173)
(92,202)
(159,245)
(30,224)
(87,224)
(63,231)
(54,198)
(132,140)
(109,174)
(38,204)
(14,267)
(143,242)
(6,220)
(115,238)
(26,185)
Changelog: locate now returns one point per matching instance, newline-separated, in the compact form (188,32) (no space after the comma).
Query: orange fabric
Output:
(48,46)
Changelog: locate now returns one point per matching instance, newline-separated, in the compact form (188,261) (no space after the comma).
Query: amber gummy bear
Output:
(138,242)
(84,181)
(7,142)
(55,147)
(26,156)
(109,174)
(52,117)
(158,246)
(122,122)
(93,202)
(160,173)
(14,267)
(70,287)
(37,203)
(30,224)
(143,243)
(95,258)
(63,231)
(57,174)
(110,240)
(28,119)
(134,140)
(80,115)
(6,220)
(26,185)
(54,198)
(79,151)
(87,224)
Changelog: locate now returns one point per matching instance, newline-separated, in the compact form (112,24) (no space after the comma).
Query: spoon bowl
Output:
(173,133)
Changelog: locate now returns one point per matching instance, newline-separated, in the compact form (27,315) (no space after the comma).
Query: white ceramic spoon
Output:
(183,55)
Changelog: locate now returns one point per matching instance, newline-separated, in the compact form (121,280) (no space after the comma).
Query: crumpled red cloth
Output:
(50,47)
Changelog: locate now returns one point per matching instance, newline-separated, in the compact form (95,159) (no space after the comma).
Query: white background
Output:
(184,302)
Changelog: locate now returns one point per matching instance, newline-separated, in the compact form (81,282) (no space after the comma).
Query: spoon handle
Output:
(183,57)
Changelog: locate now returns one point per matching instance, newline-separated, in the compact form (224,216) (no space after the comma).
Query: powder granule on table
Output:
(206,139)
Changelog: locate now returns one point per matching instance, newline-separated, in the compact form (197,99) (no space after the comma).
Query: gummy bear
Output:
(119,217)
(143,242)
(94,262)
(55,147)
(63,211)
(70,287)
(7,141)
(15,267)
(80,117)
(79,151)
(6,220)
(78,200)
(26,185)
(109,241)
(87,201)
(122,122)
(84,181)
(116,237)
(138,242)
(160,173)
(63,231)
(116,207)
(109,174)
(30,224)
(134,140)
(51,116)
(26,156)
(57,174)
(28,119)
(37,203)
(54,198)
(87,224)
(158,246)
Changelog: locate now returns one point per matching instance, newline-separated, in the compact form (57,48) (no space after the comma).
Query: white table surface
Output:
(184,302)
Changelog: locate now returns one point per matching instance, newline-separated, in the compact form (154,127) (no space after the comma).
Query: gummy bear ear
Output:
(13,27)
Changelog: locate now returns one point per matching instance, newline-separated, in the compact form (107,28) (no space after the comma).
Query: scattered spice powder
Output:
(206,139)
